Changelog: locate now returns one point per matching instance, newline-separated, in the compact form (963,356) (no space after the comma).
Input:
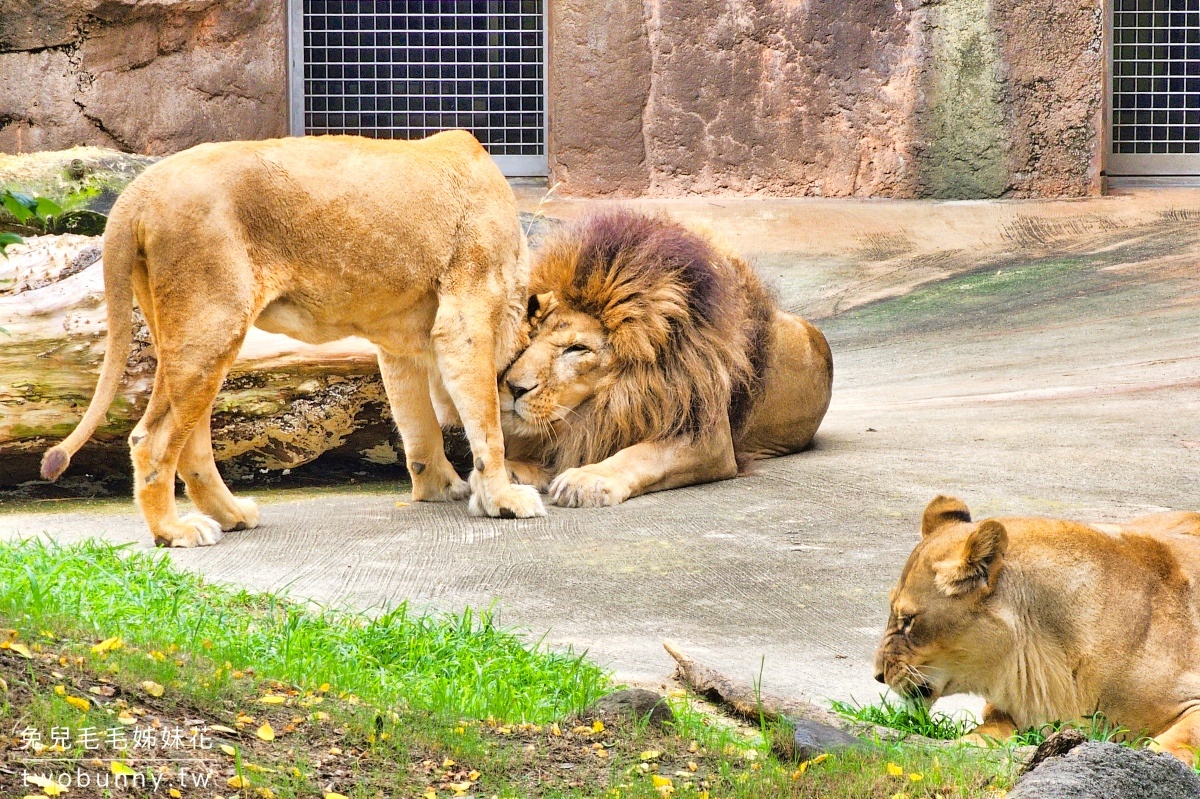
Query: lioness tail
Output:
(120,256)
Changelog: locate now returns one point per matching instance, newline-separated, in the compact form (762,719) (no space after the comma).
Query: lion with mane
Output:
(657,359)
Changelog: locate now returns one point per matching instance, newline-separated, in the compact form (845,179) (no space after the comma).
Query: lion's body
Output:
(1063,620)
(658,360)
(413,245)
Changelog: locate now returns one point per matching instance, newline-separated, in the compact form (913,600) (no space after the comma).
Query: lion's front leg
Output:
(528,473)
(649,466)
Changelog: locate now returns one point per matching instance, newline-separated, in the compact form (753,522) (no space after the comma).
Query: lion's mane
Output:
(688,323)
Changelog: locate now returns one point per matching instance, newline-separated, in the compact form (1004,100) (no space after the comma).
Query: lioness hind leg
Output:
(406,381)
(192,364)
(464,343)
(1182,739)
(205,487)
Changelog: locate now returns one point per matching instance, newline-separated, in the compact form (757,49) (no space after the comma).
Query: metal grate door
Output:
(1154,104)
(409,68)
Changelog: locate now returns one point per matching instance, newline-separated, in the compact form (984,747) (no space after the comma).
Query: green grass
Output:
(464,664)
(912,717)
(415,703)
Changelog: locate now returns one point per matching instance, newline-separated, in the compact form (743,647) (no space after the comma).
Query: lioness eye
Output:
(576,348)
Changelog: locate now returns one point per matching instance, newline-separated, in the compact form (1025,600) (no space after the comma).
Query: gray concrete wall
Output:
(890,98)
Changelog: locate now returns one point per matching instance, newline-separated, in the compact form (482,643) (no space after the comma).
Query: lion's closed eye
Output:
(577,349)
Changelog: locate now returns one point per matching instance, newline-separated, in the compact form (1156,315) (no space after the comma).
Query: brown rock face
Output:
(598,85)
(151,78)
(895,98)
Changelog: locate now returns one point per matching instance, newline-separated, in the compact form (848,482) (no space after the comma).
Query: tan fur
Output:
(413,245)
(1053,620)
(657,360)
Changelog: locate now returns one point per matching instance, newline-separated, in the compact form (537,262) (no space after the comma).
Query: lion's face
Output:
(568,357)
(941,624)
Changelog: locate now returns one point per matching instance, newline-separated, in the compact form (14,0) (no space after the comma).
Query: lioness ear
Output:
(943,510)
(975,566)
(541,305)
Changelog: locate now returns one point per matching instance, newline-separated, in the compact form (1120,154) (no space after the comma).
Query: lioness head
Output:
(568,355)
(941,621)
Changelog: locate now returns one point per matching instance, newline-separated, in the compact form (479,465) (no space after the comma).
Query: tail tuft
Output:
(54,463)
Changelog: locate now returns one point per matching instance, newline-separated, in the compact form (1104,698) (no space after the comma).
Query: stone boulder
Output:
(1096,770)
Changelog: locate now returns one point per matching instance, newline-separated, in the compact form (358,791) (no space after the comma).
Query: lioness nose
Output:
(517,390)
(879,677)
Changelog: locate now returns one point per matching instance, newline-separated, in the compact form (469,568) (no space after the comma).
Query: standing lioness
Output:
(414,245)
(1052,620)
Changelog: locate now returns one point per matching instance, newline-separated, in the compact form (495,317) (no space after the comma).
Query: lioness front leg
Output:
(464,341)
(1182,738)
(406,382)
(997,727)
(646,467)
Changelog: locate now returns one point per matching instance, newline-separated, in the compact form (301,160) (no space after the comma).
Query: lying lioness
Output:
(1053,620)
(657,360)
(414,245)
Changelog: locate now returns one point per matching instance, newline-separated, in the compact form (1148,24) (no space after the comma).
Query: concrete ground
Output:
(1028,357)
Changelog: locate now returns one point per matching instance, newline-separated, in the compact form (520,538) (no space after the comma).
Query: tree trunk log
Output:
(283,405)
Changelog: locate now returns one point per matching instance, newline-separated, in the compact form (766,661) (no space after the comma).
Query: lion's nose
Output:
(879,677)
(517,390)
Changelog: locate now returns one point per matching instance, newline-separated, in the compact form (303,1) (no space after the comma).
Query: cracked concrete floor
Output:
(1029,357)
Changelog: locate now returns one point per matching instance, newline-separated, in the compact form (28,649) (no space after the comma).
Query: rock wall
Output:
(147,77)
(894,98)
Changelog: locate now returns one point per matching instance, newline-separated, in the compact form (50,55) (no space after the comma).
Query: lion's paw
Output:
(526,473)
(512,502)
(440,486)
(193,530)
(247,515)
(583,488)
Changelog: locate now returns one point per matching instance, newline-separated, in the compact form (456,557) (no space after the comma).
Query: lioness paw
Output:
(442,485)
(512,502)
(246,518)
(193,530)
(583,488)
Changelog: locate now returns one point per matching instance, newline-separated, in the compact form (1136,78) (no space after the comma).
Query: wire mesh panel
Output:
(1155,100)
(409,68)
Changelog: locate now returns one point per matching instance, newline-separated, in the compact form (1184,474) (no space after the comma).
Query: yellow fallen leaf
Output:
(229,750)
(916,776)
(324,687)
(333,750)
(81,704)
(895,770)
(474,776)
(125,718)
(60,690)
(152,688)
(36,779)
(555,729)
(659,781)
(108,645)
(221,728)
(821,758)
(430,793)
(264,793)
(651,754)
(236,782)
(334,796)
(174,793)
(24,652)
(597,726)
(402,504)
(271,699)
(53,789)
(899,795)
(3,685)
(265,732)
(460,787)
(447,763)
(120,769)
